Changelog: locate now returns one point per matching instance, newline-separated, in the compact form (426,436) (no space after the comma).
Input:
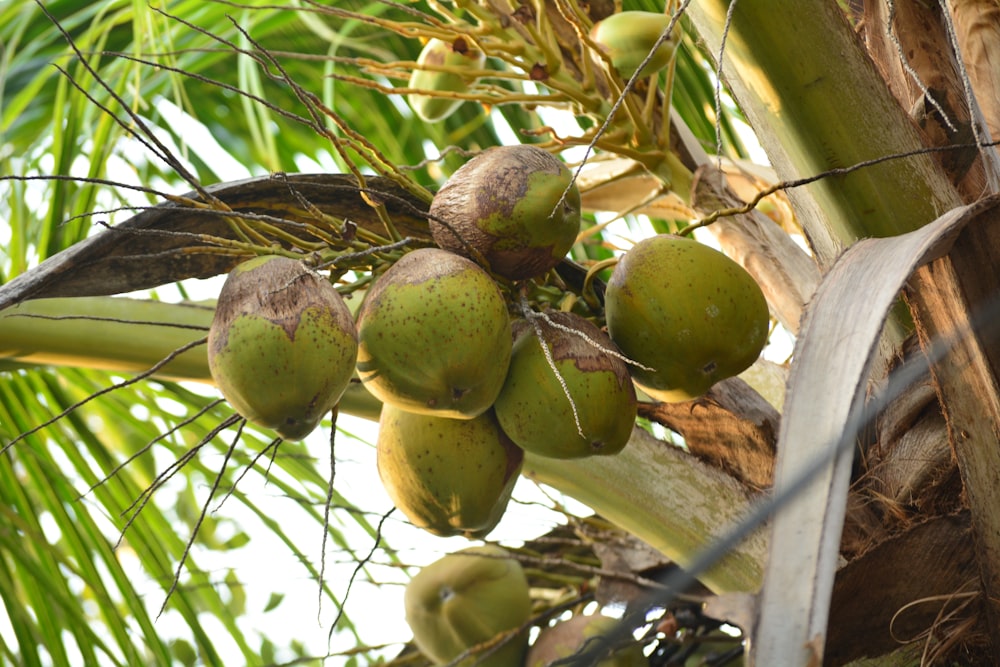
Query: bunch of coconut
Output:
(458,374)
(469,380)
(467,388)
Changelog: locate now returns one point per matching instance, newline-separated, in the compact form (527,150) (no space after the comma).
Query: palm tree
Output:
(828,505)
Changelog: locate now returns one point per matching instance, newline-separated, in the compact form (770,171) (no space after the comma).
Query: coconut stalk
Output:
(811,117)
(668,499)
(107,333)
(652,489)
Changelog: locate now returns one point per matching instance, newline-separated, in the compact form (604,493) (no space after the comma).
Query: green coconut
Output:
(513,207)
(282,345)
(458,55)
(533,408)
(465,599)
(448,476)
(628,37)
(690,315)
(434,336)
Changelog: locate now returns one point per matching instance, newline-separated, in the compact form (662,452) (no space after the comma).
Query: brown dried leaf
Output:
(731,427)
(867,615)
(155,247)
(977,28)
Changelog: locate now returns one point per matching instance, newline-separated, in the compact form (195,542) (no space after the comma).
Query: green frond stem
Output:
(123,335)
(664,102)
(665,497)
(127,335)
(676,176)
(811,117)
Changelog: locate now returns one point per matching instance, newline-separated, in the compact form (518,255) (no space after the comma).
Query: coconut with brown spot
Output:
(282,345)
(533,407)
(687,313)
(448,476)
(434,336)
(514,207)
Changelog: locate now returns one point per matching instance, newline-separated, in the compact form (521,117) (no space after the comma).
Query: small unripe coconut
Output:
(465,599)
(686,312)
(434,336)
(282,345)
(512,207)
(533,408)
(628,37)
(448,476)
(459,54)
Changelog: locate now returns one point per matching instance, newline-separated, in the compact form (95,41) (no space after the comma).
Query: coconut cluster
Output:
(467,388)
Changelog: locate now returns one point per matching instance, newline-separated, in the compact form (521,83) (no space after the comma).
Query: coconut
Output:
(282,345)
(448,476)
(512,207)
(465,599)
(533,409)
(459,55)
(434,336)
(687,313)
(628,37)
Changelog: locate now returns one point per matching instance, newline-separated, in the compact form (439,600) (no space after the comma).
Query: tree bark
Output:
(955,305)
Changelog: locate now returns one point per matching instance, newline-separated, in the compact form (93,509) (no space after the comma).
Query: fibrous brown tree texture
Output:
(954,301)
(977,31)
(915,56)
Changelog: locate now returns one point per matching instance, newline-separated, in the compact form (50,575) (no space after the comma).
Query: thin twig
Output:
(326,517)
(839,171)
(364,561)
(201,517)
(190,420)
